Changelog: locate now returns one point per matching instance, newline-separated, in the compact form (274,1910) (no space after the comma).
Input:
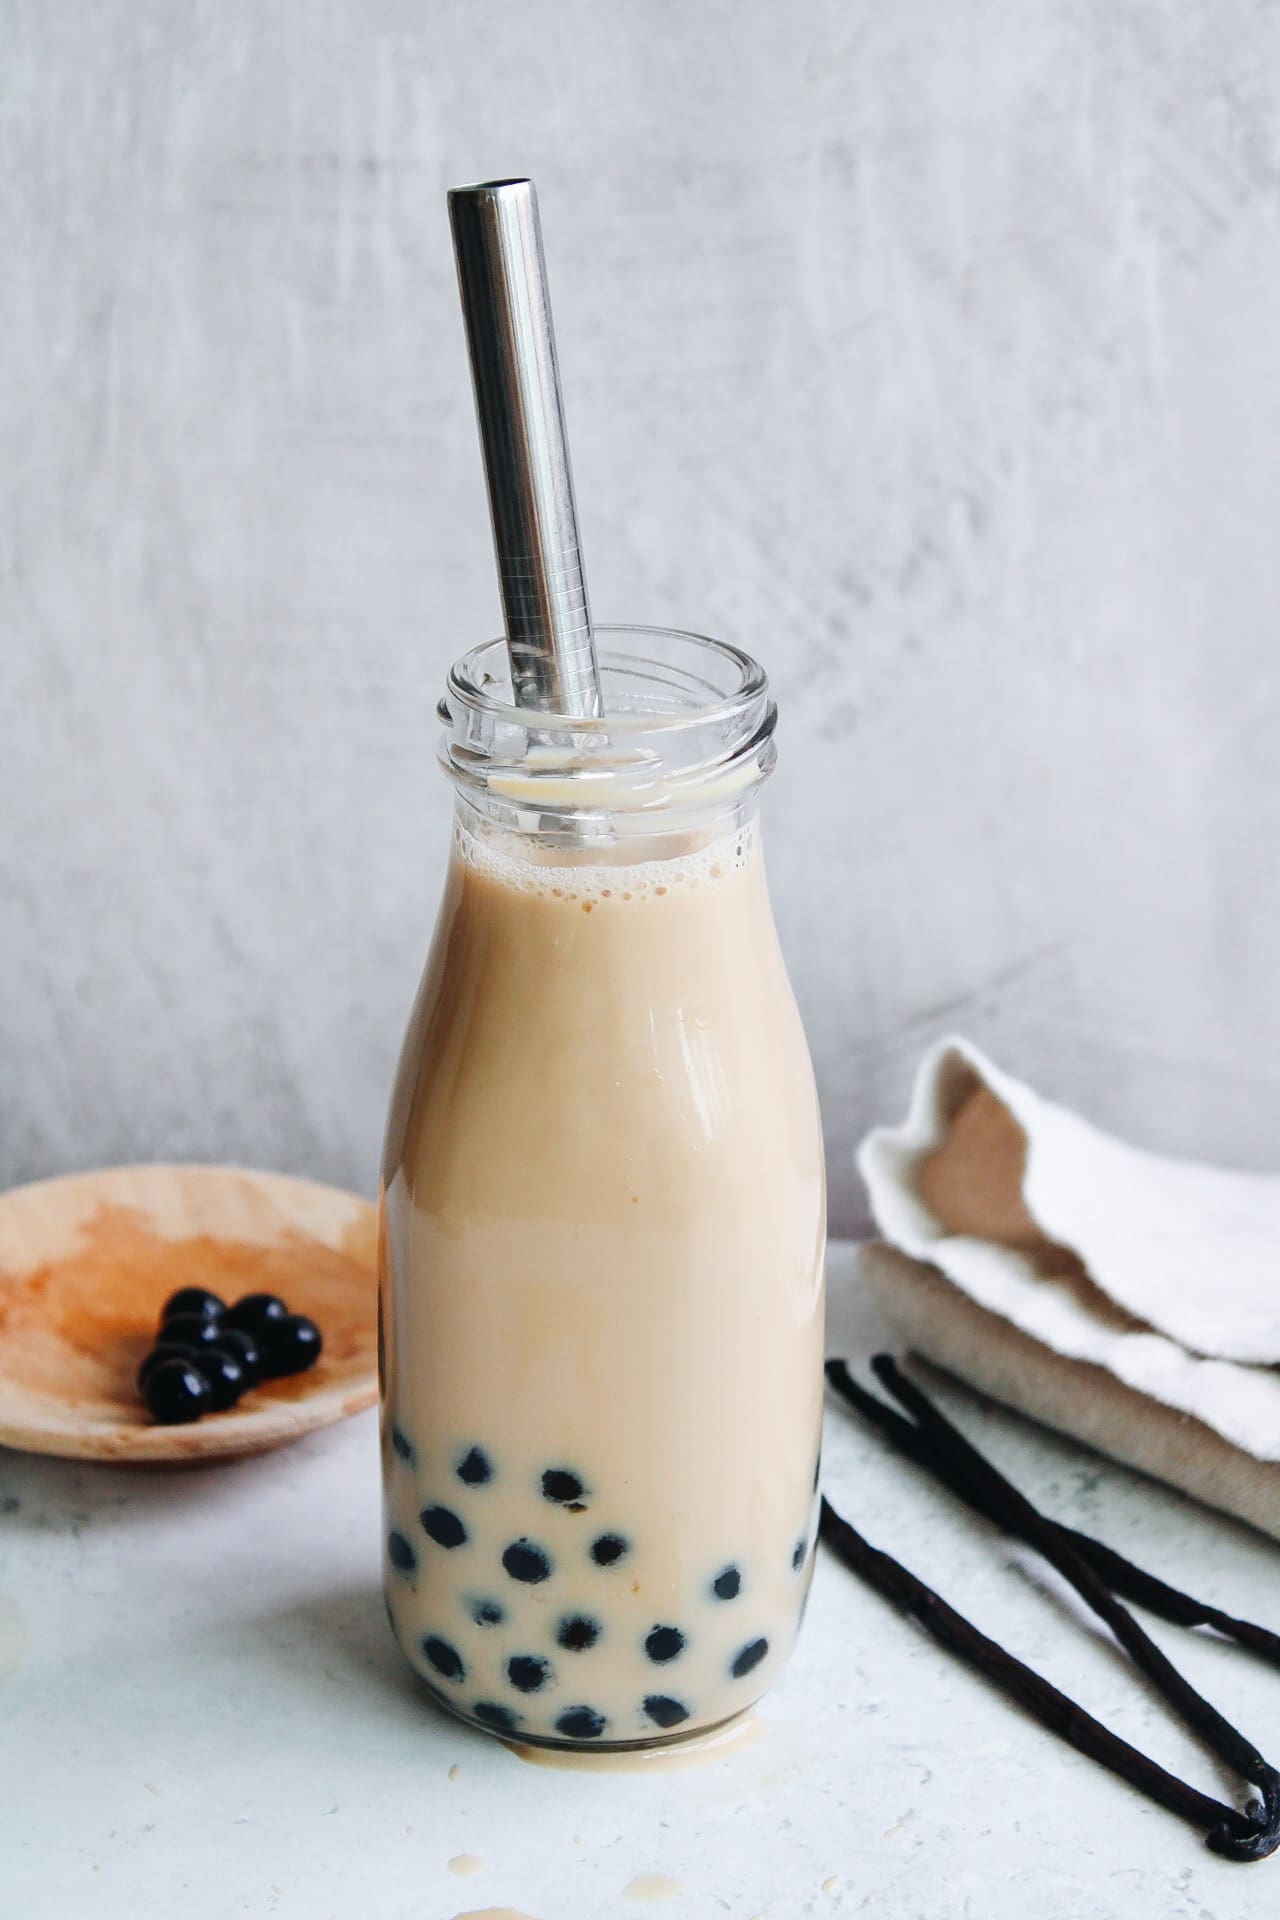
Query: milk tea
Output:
(601,1296)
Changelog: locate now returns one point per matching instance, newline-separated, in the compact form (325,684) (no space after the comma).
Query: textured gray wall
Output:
(930,351)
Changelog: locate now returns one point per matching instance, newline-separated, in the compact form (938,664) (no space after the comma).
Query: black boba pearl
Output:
(177,1392)
(751,1656)
(609,1549)
(490,1714)
(563,1487)
(817,1472)
(727,1585)
(197,1300)
(446,1659)
(581,1723)
(244,1348)
(664,1711)
(524,1561)
(191,1330)
(664,1643)
(400,1552)
(475,1469)
(528,1672)
(487,1613)
(797,1556)
(443,1526)
(402,1446)
(162,1351)
(253,1311)
(225,1375)
(576,1633)
(290,1345)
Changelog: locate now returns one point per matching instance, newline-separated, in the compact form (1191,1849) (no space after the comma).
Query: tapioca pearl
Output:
(475,1469)
(490,1714)
(817,1472)
(400,1552)
(443,1526)
(663,1644)
(581,1723)
(528,1672)
(576,1632)
(664,1711)
(526,1562)
(563,1487)
(727,1584)
(487,1613)
(402,1446)
(445,1658)
(797,1556)
(751,1656)
(609,1548)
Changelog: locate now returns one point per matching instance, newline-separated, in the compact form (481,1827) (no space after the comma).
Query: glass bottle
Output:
(603,1221)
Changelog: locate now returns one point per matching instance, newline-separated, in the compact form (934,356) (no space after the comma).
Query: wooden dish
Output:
(87,1261)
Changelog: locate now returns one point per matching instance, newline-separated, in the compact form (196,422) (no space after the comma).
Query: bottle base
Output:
(688,1739)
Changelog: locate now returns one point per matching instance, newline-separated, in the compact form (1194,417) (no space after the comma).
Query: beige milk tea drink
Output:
(603,1222)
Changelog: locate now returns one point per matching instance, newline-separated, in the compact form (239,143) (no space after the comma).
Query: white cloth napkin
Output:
(1126,1298)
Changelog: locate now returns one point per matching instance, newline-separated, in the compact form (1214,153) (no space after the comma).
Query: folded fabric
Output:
(1120,1296)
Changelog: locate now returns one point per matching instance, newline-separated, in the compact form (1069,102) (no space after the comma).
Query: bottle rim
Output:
(481,681)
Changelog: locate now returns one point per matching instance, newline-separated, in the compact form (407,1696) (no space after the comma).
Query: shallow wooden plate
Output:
(87,1261)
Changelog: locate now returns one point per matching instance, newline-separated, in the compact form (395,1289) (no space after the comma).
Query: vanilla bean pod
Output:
(935,1443)
(1121,1575)
(1199,1713)
(1229,1832)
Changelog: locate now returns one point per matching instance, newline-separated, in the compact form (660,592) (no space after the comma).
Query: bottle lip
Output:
(481,682)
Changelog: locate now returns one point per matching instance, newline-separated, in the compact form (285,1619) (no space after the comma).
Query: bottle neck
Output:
(605,839)
(675,760)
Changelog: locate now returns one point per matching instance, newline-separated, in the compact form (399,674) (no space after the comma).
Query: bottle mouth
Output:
(687,728)
(653,679)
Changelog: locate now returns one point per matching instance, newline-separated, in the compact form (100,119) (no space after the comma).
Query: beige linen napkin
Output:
(1131,1300)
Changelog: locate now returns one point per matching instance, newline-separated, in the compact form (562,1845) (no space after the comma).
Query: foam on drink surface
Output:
(621,879)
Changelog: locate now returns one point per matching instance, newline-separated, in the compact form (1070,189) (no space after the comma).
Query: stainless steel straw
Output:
(497,242)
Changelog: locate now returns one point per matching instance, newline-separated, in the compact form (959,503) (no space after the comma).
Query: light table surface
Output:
(203,1714)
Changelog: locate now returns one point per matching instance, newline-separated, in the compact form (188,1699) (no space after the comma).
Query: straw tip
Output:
(490,189)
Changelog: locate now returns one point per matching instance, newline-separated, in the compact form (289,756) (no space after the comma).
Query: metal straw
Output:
(497,242)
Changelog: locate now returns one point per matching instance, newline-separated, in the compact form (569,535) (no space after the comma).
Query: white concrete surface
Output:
(929,351)
(204,1714)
